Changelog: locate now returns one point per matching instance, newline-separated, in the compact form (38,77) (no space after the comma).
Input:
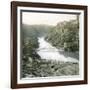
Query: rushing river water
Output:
(49,52)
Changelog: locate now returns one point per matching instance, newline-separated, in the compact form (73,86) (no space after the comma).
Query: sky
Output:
(45,18)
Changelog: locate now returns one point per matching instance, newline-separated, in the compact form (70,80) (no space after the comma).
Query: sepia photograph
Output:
(50,44)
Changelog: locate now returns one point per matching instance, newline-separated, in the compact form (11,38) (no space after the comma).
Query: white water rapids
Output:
(49,52)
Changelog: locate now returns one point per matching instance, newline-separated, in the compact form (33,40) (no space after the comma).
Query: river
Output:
(49,52)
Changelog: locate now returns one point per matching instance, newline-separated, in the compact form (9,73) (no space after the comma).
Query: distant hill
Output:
(35,30)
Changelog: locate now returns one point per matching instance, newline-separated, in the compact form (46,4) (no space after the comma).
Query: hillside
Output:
(65,35)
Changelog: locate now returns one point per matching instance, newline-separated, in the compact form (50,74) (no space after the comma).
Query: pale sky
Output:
(45,18)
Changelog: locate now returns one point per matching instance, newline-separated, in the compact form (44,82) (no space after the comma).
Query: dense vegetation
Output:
(64,35)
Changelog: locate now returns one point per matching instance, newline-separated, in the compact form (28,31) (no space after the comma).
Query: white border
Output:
(81,53)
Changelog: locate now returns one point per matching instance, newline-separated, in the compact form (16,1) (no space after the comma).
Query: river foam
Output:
(49,52)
